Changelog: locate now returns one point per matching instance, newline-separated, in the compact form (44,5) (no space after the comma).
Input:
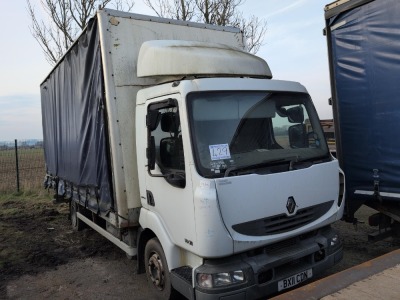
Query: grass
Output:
(32,196)
(31,169)
(13,205)
(24,221)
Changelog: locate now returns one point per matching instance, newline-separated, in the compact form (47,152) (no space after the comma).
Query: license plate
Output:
(294,280)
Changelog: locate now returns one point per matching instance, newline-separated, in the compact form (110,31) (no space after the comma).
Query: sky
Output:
(294,48)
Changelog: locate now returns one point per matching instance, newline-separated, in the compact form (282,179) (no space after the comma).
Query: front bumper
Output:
(265,267)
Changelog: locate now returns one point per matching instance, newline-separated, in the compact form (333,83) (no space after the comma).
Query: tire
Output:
(76,223)
(157,272)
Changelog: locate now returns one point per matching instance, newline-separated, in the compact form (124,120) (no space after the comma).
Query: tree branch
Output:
(65,19)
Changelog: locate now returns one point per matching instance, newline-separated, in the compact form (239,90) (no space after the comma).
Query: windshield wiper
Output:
(265,163)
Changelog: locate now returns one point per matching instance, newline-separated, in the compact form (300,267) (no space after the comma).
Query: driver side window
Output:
(168,141)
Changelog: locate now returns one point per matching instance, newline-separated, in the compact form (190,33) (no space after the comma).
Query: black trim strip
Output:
(329,13)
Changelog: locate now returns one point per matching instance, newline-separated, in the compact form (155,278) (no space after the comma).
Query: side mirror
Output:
(176,179)
(151,154)
(153,119)
(298,136)
(295,114)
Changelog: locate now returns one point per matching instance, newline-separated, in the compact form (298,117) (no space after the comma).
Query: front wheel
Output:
(157,270)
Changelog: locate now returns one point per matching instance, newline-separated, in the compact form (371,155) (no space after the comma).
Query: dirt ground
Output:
(42,258)
(357,249)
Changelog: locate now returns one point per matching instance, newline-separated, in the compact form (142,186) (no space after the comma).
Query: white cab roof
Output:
(191,58)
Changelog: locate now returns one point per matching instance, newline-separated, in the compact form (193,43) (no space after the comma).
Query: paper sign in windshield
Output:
(220,151)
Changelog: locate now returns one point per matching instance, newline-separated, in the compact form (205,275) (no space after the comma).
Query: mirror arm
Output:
(155,175)
(178,183)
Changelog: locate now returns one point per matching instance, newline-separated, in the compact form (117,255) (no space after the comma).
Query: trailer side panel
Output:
(74,125)
(365,66)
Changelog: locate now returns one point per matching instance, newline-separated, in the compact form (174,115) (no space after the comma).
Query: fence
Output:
(22,166)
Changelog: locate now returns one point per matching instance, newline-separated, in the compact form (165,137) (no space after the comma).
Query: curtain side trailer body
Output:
(364,62)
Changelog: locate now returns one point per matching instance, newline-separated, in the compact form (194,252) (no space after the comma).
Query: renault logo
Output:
(291,205)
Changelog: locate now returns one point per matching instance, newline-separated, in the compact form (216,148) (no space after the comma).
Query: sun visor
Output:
(185,58)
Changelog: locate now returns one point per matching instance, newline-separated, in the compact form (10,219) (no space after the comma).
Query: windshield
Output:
(253,130)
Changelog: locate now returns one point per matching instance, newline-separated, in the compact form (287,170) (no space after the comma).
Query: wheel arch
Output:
(144,235)
(151,226)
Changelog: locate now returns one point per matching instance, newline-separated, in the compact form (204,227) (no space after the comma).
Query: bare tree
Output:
(176,9)
(63,21)
(217,12)
(253,29)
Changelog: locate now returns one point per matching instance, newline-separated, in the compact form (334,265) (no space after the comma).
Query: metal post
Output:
(16,164)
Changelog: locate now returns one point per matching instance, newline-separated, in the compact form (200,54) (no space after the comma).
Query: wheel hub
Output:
(156,271)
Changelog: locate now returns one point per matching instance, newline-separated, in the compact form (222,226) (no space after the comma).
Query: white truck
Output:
(173,142)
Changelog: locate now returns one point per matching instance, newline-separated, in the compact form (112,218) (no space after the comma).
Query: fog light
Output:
(319,255)
(334,240)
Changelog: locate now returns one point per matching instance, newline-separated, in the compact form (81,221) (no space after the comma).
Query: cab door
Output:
(168,185)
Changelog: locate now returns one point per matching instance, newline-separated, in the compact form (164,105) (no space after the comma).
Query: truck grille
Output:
(282,223)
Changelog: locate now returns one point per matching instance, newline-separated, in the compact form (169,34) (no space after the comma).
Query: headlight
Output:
(205,280)
(238,276)
(220,279)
